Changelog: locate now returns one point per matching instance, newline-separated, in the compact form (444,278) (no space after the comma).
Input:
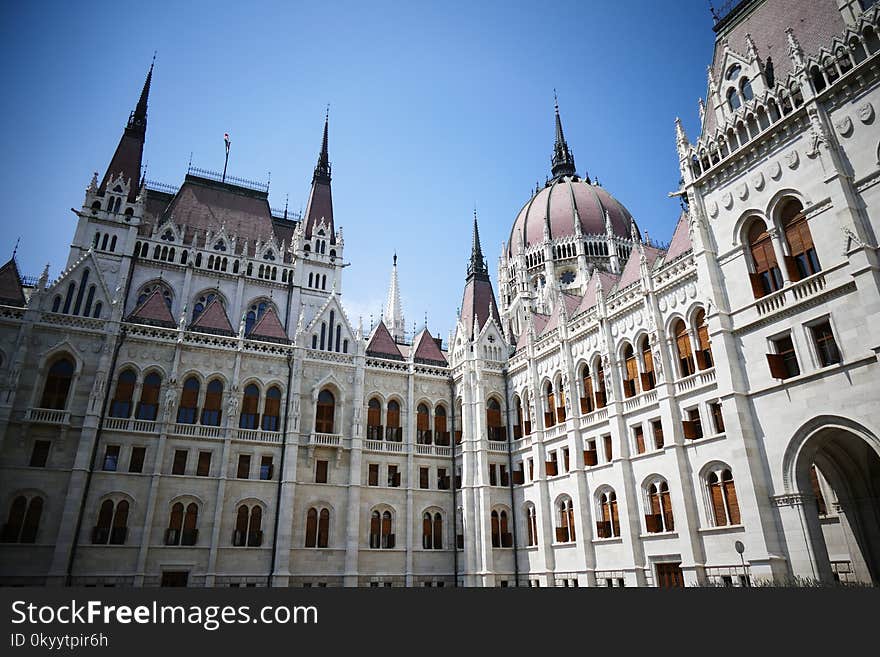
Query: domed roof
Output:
(566,200)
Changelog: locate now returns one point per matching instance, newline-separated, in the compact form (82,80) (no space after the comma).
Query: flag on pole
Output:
(226,141)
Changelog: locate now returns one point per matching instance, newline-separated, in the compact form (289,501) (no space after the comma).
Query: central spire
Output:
(393,315)
(322,168)
(320,207)
(562,163)
(477,264)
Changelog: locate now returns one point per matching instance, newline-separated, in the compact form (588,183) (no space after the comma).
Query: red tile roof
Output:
(382,344)
(681,239)
(632,270)
(589,300)
(428,351)
(213,320)
(269,327)
(153,310)
(11,293)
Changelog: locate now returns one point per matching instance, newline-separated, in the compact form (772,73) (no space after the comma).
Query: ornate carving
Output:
(844,126)
(758,181)
(865,112)
(742,191)
(727,200)
(775,171)
(792,159)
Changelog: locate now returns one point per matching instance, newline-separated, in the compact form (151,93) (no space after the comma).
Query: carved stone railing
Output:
(47,416)
(129,424)
(258,435)
(695,381)
(198,431)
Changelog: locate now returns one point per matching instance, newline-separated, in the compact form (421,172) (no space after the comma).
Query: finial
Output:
(395,259)
(15,249)
(562,162)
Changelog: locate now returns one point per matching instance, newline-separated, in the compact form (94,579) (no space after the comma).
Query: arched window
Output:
(746,87)
(57,385)
(324,528)
(68,299)
(272,409)
(374,420)
(550,413)
(432,531)
(112,525)
(254,313)
(317,528)
(531,526)
(202,302)
(147,291)
(631,371)
(648,377)
(248,526)
(182,525)
(324,412)
(496,529)
(659,517)
(213,403)
(518,427)
(494,421)
(123,399)
(501,536)
(393,431)
(250,408)
(565,516)
(189,401)
(683,348)
(587,402)
(23,520)
(423,425)
(601,394)
(704,346)
(722,496)
(803,261)
(733,99)
(441,431)
(381,535)
(766,277)
(609,525)
(148,406)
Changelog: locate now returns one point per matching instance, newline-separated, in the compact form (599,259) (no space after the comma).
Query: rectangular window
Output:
(503,478)
(244,466)
(531,469)
(657,427)
(111,458)
(442,479)
(40,454)
(266,468)
(693,427)
(178,467)
(609,454)
(203,468)
(320,472)
(639,435)
(783,364)
(373,479)
(717,418)
(136,464)
(565,462)
(826,347)
(590,455)
(424,477)
(393,476)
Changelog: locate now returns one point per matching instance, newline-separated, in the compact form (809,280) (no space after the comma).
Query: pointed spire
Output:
(795,52)
(477,264)
(138,118)
(562,163)
(320,206)
(681,139)
(393,313)
(322,168)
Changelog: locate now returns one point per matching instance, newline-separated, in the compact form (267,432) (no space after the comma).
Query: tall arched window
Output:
(722,495)
(423,425)
(518,427)
(631,371)
(531,526)
(324,412)
(766,277)
(496,529)
(317,528)
(58,381)
(803,261)
(746,87)
(250,408)
(432,531)
(248,526)
(381,535)
(148,406)
(189,401)
(494,421)
(704,346)
(609,525)
(587,403)
(601,394)
(123,399)
(211,412)
(392,430)
(733,99)
(374,419)
(659,518)
(441,432)
(648,377)
(683,348)
(272,409)
(550,413)
(565,515)
(182,525)
(23,520)
(112,525)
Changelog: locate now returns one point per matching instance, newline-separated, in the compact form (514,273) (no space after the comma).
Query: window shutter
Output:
(778,370)
(393,417)
(590,457)
(321,472)
(666,502)
(609,454)
(615,521)
(438,531)
(732,502)
(373,417)
(426,531)
(690,429)
(717,504)
(757,286)
(324,528)
(422,421)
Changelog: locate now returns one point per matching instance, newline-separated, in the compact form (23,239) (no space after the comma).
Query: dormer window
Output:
(220,245)
(733,72)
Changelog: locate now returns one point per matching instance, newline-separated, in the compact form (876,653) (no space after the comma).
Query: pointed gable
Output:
(269,328)
(681,239)
(382,345)
(539,322)
(428,351)
(589,299)
(478,303)
(11,293)
(632,270)
(154,311)
(213,320)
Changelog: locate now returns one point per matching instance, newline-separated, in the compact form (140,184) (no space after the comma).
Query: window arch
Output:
(441,430)
(317,527)
(212,410)
(325,411)
(381,530)
(123,400)
(182,524)
(704,345)
(374,419)
(722,497)
(659,517)
(733,101)
(250,408)
(423,425)
(248,526)
(189,401)
(494,421)
(112,524)
(683,348)
(766,277)
(648,377)
(148,406)
(272,409)
(501,536)
(565,520)
(393,430)
(23,521)
(609,524)
(746,89)
(550,413)
(147,290)
(202,301)
(58,380)
(630,371)
(255,311)
(531,525)
(587,401)
(432,531)
(601,393)
(803,261)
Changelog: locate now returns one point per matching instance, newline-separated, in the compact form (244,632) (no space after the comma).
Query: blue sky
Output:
(434,108)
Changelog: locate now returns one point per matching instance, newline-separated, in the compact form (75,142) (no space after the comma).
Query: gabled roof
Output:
(632,270)
(269,327)
(213,320)
(381,343)
(11,293)
(589,300)
(539,321)
(428,351)
(681,239)
(153,310)
(571,301)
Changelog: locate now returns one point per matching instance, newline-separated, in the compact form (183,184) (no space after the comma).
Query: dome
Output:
(559,205)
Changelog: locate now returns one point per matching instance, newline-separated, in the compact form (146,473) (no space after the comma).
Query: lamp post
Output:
(740,548)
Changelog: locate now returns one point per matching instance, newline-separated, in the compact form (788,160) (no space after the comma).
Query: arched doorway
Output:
(837,471)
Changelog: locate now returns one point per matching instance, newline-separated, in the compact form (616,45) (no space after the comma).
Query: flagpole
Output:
(226,162)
